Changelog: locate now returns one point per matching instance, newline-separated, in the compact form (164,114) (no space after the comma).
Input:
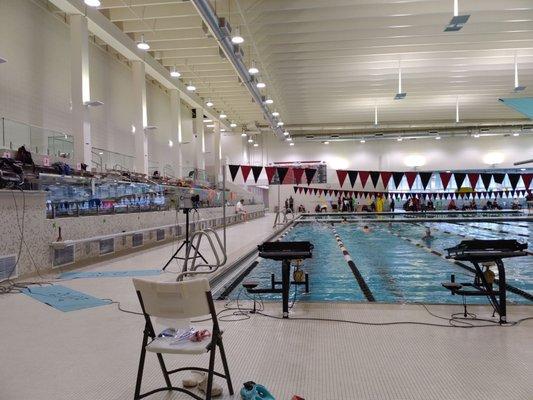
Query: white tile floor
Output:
(93,353)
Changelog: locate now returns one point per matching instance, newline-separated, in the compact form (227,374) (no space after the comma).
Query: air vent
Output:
(107,246)
(378,134)
(160,235)
(137,240)
(8,267)
(433,132)
(63,256)
(335,136)
(309,136)
(485,129)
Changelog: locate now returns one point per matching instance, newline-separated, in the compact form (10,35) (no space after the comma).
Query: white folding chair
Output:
(179,301)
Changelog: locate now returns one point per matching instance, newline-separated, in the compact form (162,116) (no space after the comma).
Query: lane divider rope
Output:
(360,280)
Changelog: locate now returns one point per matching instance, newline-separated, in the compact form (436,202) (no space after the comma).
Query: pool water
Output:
(395,270)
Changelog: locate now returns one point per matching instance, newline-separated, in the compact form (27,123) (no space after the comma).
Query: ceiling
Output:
(328,62)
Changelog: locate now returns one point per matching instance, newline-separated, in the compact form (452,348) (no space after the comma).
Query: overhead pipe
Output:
(405,127)
(211,20)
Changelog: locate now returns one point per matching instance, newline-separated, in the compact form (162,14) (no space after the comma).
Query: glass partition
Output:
(106,160)
(36,139)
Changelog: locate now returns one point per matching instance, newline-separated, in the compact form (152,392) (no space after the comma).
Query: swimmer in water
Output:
(366,229)
(344,220)
(427,236)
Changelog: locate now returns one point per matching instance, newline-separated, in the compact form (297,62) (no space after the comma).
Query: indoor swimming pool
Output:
(395,268)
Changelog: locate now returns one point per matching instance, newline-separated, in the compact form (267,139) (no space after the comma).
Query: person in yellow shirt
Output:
(379,203)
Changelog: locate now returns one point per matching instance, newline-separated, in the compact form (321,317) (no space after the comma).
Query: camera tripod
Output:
(186,243)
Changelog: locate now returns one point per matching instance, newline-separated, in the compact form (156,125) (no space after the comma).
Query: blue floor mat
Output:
(63,298)
(109,274)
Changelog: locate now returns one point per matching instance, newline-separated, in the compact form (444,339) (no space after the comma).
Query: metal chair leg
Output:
(210,373)
(164,369)
(141,368)
(225,365)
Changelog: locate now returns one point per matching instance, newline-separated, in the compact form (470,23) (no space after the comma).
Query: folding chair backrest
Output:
(174,300)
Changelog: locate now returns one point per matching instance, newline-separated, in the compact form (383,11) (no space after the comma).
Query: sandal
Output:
(216,389)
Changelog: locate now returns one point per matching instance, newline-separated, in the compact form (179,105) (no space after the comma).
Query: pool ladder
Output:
(219,253)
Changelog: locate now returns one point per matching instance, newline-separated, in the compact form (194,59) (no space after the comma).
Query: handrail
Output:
(212,267)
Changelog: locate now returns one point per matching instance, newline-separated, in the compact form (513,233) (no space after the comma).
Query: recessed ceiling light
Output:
(222,115)
(260,85)
(92,3)
(275,114)
(237,38)
(142,45)
(253,69)
(233,125)
(191,87)
(291,144)
(174,73)
(269,101)
(209,103)
(286,133)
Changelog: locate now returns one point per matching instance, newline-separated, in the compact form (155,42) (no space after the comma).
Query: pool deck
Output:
(93,353)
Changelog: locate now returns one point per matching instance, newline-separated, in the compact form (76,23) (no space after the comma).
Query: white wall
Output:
(35,85)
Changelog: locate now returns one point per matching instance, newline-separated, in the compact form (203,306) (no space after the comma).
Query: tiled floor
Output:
(93,353)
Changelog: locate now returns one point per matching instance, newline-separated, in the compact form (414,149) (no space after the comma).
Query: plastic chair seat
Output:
(165,345)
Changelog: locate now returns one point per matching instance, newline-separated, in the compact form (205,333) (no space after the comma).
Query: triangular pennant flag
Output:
(315,190)
(514,178)
(341,176)
(297,172)
(425,177)
(310,174)
(473,178)
(300,189)
(385,179)
(270,171)
(245,169)
(363,176)
(486,178)
(320,192)
(459,179)
(305,190)
(295,189)
(233,169)
(527,178)
(256,172)
(445,179)
(374,177)
(353,177)
(411,176)
(336,192)
(330,192)
(397,178)
(498,178)
(446,196)
(441,196)
(282,173)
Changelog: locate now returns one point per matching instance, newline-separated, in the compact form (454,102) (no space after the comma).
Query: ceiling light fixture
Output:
(222,129)
(250,140)
(375,114)
(237,38)
(256,144)
(517,87)
(476,135)
(281,123)
(210,126)
(400,95)
(458,21)
(170,143)
(260,85)
(142,45)
(275,114)
(222,115)
(92,3)
(191,87)
(269,101)
(457,110)
(243,134)
(209,103)
(253,69)
(437,137)
(174,73)
(516,134)
(286,133)
(326,142)
(289,139)
(363,140)
(233,125)
(291,144)
(208,120)
(399,139)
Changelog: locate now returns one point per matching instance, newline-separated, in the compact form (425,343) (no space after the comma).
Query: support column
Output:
(80,89)
(140,117)
(217,152)
(176,136)
(199,139)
